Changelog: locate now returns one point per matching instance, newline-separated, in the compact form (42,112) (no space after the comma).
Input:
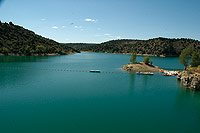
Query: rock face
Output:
(190,80)
(141,67)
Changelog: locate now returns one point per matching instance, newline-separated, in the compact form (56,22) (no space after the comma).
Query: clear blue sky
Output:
(102,20)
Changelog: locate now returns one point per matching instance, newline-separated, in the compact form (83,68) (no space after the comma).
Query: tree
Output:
(5,50)
(146,60)
(40,49)
(195,59)
(27,50)
(10,23)
(133,57)
(185,56)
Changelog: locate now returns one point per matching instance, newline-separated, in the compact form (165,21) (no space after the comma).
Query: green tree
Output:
(146,60)
(40,49)
(195,59)
(133,57)
(185,56)
(27,50)
(4,50)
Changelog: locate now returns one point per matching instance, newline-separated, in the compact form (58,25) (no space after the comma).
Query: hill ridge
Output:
(16,40)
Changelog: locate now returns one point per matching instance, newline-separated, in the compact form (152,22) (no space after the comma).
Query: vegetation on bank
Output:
(90,47)
(156,47)
(15,40)
(190,56)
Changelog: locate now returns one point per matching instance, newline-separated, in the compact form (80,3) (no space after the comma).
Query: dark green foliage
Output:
(156,46)
(133,57)
(185,56)
(146,60)
(195,59)
(15,40)
(83,46)
(40,49)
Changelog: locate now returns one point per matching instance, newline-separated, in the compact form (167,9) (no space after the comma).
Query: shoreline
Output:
(128,54)
(49,54)
(190,79)
(141,67)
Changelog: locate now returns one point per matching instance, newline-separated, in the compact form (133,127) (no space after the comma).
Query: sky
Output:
(95,21)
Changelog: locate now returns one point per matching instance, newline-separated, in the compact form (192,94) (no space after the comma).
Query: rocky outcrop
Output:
(141,67)
(190,80)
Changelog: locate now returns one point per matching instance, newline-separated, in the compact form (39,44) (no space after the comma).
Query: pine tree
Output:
(185,56)
(133,57)
(195,59)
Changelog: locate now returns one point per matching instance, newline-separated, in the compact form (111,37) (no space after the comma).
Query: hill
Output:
(16,40)
(83,46)
(156,47)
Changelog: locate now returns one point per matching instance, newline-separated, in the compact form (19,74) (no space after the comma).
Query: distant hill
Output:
(16,40)
(83,46)
(157,46)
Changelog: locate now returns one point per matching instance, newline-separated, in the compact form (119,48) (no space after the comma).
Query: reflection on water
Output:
(138,82)
(8,59)
(132,82)
(188,102)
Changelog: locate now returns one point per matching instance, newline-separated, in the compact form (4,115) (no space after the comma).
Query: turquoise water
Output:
(80,102)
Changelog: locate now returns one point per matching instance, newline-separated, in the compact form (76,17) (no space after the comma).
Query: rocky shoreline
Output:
(190,80)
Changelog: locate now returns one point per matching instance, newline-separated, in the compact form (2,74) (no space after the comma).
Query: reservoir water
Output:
(46,101)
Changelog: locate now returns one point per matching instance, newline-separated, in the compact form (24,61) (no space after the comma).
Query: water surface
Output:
(60,101)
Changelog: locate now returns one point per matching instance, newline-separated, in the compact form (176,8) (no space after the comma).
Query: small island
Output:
(145,66)
(141,67)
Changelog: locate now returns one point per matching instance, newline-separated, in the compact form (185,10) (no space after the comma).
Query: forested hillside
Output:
(15,40)
(157,46)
